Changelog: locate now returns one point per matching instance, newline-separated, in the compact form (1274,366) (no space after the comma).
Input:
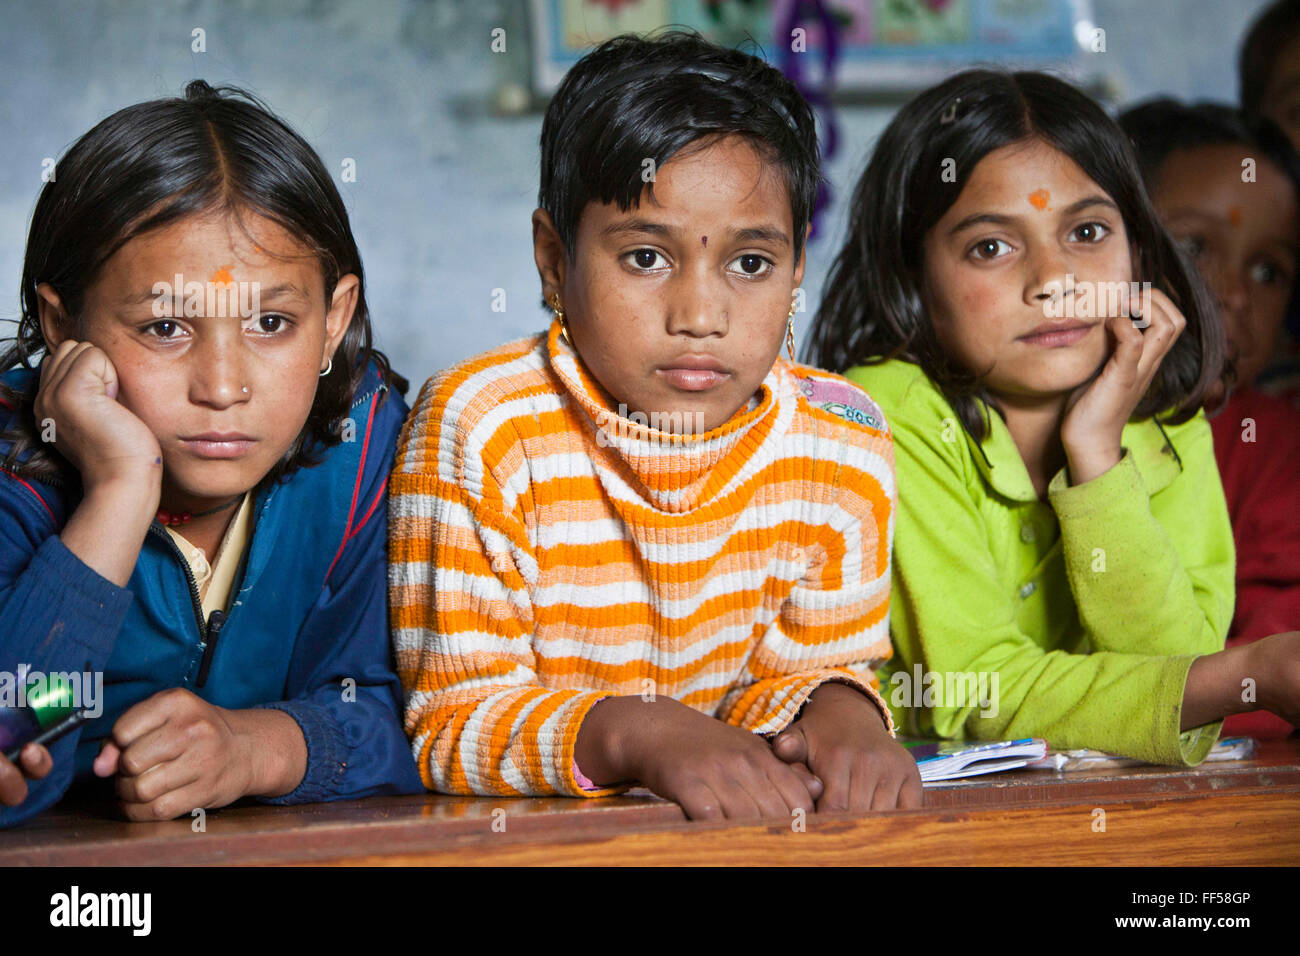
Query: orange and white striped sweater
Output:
(545,553)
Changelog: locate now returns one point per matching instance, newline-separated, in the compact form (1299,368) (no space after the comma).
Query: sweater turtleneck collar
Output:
(676,472)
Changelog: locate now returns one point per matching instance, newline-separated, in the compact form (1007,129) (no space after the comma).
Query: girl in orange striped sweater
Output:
(642,548)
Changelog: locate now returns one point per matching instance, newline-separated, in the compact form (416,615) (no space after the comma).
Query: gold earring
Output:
(559,314)
(789,333)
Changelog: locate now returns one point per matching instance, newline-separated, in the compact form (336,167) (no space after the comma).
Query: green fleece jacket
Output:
(1075,619)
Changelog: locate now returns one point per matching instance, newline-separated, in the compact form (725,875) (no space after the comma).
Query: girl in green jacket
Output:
(1063,559)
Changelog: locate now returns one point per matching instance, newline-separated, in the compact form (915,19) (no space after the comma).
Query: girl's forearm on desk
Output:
(602,744)
(1261,675)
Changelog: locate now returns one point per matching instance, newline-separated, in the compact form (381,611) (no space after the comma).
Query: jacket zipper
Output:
(208,630)
(215,621)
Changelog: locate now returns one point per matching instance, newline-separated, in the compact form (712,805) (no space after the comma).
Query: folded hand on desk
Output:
(174,752)
(837,755)
(713,769)
(842,739)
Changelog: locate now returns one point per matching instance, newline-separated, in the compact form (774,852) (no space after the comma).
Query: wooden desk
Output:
(1238,813)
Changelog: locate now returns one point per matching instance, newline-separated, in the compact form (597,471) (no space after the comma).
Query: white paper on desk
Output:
(1230,748)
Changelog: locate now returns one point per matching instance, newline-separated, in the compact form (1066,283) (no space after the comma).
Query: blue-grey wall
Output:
(444,185)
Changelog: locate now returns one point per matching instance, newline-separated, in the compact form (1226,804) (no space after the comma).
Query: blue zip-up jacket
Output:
(308,613)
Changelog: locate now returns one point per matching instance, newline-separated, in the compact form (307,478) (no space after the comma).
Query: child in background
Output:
(1269,68)
(643,548)
(1062,534)
(1269,71)
(193,492)
(1228,191)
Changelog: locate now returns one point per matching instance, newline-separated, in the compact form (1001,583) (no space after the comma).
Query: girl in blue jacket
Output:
(192,510)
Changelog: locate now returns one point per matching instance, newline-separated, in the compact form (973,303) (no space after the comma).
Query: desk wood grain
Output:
(1240,813)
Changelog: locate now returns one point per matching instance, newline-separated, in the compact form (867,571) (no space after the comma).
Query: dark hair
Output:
(152,164)
(1272,30)
(873,309)
(636,98)
(1163,126)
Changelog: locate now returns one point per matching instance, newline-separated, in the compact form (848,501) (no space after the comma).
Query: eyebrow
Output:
(1201,216)
(1285,88)
(286,290)
(139,298)
(1286,245)
(763,232)
(633,226)
(1000,220)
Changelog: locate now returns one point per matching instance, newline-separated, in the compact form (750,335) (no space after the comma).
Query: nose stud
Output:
(244,389)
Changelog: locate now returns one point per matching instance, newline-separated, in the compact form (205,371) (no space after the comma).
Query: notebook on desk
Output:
(952,759)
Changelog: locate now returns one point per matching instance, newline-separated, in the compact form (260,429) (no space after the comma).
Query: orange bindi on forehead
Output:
(222,276)
(1234,215)
(1039,198)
